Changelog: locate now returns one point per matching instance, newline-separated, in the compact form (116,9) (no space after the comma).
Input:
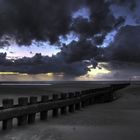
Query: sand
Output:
(118,120)
(24,90)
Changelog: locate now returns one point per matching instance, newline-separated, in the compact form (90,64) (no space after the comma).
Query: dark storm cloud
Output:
(44,64)
(131,4)
(47,20)
(101,16)
(70,60)
(126,46)
(78,51)
(29,20)
(3,60)
(121,71)
(100,22)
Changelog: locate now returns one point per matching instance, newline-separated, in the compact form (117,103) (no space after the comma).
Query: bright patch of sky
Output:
(14,51)
(69,38)
(109,38)
(83,12)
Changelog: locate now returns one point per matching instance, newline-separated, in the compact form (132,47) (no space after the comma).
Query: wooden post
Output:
(7,124)
(77,105)
(92,99)
(83,100)
(64,108)
(31,117)
(44,114)
(71,107)
(110,96)
(88,99)
(55,110)
(22,120)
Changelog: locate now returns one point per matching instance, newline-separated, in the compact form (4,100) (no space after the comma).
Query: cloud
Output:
(131,4)
(44,64)
(79,51)
(121,71)
(73,59)
(125,46)
(29,20)
(101,21)
(47,20)
(3,60)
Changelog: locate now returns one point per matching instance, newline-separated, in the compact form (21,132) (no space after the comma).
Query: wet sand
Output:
(118,120)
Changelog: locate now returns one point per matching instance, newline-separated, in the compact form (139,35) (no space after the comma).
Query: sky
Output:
(79,40)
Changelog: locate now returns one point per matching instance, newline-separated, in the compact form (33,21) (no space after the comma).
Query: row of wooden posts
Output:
(26,109)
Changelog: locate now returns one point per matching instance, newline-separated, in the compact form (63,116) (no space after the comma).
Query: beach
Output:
(117,120)
(15,90)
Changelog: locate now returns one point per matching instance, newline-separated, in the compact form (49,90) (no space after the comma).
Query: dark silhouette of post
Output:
(22,120)
(31,117)
(92,99)
(83,101)
(77,105)
(44,114)
(64,108)
(8,123)
(71,107)
(87,92)
(55,110)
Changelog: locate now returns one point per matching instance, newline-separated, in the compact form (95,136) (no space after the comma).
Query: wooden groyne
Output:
(60,104)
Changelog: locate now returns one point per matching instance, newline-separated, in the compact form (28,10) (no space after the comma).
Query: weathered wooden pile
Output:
(26,109)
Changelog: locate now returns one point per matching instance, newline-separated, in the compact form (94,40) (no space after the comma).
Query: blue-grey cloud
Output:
(44,64)
(126,45)
(47,20)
